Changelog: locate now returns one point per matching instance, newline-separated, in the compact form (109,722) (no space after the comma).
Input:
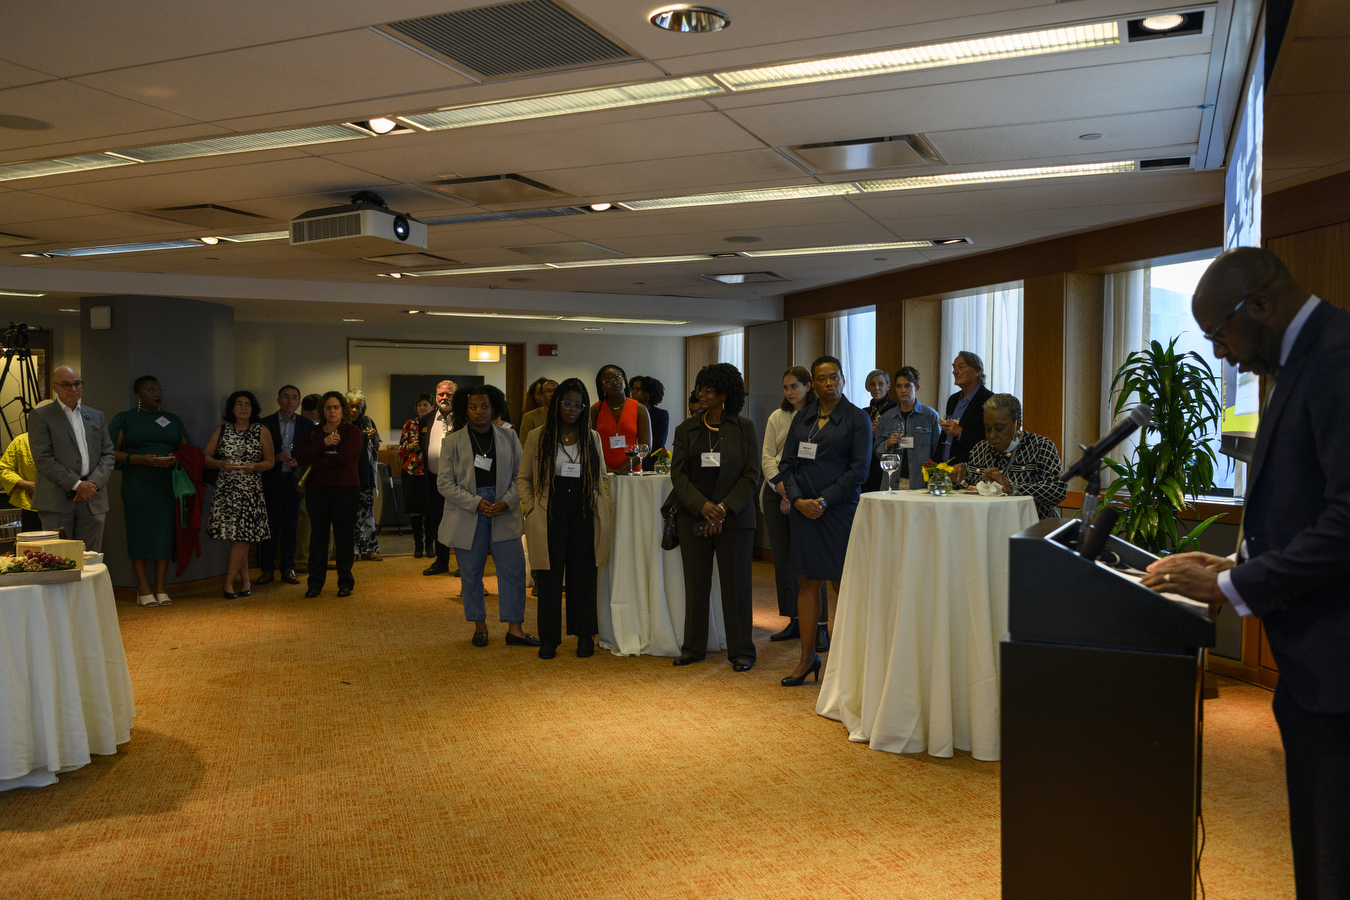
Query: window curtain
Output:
(1125,321)
(852,339)
(989,324)
(731,349)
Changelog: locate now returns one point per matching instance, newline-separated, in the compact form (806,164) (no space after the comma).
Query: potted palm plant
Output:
(1173,459)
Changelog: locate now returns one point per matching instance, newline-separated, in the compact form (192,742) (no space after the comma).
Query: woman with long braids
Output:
(621,421)
(565,500)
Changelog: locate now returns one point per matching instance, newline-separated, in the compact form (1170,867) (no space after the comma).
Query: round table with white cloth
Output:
(923,604)
(65,692)
(641,592)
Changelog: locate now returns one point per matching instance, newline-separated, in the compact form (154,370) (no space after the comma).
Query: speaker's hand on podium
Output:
(1193,575)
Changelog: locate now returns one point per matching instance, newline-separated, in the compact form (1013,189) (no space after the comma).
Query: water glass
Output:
(889,463)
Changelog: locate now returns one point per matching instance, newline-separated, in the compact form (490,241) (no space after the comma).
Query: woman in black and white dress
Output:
(242,450)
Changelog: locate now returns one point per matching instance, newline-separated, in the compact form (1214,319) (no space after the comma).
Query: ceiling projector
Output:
(364,227)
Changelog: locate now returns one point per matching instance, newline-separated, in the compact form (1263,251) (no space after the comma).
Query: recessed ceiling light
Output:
(627,261)
(591,328)
(256,236)
(64,309)
(994,176)
(209,240)
(20,294)
(688,19)
(600,207)
(353,320)
(625,321)
(382,125)
(1165,22)
(491,315)
(948,241)
(1090,136)
(478,270)
(412,312)
(1005,46)
(842,248)
(34,255)
(388,274)
(798,192)
(110,249)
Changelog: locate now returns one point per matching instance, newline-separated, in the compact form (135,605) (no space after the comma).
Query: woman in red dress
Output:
(622,421)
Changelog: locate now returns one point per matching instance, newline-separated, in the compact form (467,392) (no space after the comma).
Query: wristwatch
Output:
(821,501)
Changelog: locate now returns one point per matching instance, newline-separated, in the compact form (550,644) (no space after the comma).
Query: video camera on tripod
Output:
(15,343)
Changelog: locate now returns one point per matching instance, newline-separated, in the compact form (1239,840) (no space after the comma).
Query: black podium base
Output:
(1100,772)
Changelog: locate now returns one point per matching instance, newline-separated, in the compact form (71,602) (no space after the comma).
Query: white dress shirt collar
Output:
(1291,333)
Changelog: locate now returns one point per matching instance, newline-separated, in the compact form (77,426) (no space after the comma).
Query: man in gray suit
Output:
(74,456)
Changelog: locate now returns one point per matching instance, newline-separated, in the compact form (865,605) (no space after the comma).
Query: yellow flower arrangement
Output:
(930,466)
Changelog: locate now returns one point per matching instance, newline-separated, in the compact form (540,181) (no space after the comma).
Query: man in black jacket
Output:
(964,426)
(431,429)
(279,492)
(1292,567)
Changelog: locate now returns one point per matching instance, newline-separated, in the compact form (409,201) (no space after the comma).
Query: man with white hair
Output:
(74,455)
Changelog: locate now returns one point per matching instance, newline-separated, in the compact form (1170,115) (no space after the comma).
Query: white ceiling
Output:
(115,76)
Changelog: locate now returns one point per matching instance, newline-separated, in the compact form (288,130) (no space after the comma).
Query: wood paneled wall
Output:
(808,341)
(699,351)
(1319,259)
(909,333)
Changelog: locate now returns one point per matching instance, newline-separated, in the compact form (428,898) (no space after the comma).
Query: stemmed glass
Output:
(631,451)
(889,463)
(641,455)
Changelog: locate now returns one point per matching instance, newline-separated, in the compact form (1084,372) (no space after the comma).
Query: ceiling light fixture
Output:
(111,249)
(66,309)
(626,321)
(591,328)
(627,261)
(930,56)
(256,236)
(210,240)
(799,192)
(600,207)
(478,270)
(353,320)
(34,255)
(382,125)
(946,242)
(687,19)
(491,315)
(412,312)
(841,248)
(20,294)
(240,143)
(388,274)
(65,166)
(1165,22)
(993,176)
(485,353)
(564,103)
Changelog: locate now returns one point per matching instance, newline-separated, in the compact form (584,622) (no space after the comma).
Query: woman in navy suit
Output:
(824,463)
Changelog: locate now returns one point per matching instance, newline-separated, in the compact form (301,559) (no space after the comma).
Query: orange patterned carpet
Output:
(292,748)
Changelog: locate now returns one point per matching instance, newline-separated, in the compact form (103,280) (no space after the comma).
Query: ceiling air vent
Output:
(893,152)
(511,39)
(1170,162)
(746,277)
(493,189)
(207,215)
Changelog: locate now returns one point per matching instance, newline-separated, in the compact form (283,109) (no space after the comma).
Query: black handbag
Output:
(670,537)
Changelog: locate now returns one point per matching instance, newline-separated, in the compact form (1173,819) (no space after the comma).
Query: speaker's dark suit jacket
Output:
(972,423)
(1297,522)
(273,477)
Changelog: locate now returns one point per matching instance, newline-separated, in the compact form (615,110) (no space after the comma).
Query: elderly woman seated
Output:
(1022,463)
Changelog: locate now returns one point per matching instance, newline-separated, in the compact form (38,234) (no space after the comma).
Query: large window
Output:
(853,340)
(988,323)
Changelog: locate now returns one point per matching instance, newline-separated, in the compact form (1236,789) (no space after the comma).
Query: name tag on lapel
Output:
(482,462)
(806,450)
(162,422)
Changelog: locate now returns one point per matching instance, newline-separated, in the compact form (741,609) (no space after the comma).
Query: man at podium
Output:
(1292,567)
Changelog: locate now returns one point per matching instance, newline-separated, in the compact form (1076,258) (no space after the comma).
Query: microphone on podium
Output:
(1101,530)
(1092,456)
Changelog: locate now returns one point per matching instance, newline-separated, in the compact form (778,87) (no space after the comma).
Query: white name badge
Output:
(712,460)
(806,450)
(618,441)
(571,470)
(162,422)
(482,462)
(907,443)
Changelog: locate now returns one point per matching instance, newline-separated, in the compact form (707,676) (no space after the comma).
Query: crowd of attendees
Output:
(535,498)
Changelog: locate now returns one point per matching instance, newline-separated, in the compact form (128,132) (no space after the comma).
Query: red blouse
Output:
(627,425)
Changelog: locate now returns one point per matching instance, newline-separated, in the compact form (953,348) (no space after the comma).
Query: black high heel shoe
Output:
(799,680)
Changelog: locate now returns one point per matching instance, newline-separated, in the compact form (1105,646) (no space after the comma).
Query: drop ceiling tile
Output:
(1080,93)
(13,76)
(21,206)
(77,112)
(168,167)
(230,186)
(70,37)
(292,75)
(1120,135)
(722,221)
(721,171)
(455,239)
(109,228)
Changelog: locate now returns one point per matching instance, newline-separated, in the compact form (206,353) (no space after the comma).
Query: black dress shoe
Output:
(311,594)
(436,568)
(790,633)
(264,578)
(548,651)
(289,577)
(822,638)
(247,593)
(741,665)
(585,646)
(687,660)
(480,638)
(528,640)
(417,553)
(344,592)
(230,596)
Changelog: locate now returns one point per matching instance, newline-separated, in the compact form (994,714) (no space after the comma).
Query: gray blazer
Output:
(457,485)
(923,427)
(57,457)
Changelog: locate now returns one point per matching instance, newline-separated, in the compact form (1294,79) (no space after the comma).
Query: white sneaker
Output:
(163,600)
(147,600)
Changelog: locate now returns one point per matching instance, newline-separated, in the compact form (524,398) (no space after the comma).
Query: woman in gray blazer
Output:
(477,478)
(713,475)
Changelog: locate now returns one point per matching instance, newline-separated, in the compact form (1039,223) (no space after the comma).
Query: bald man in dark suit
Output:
(1293,566)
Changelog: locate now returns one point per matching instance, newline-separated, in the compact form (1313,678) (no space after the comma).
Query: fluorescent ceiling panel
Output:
(626,321)
(627,261)
(800,192)
(563,104)
(491,315)
(991,176)
(110,249)
(478,270)
(931,56)
(842,248)
(241,143)
(64,166)
(255,236)
(20,294)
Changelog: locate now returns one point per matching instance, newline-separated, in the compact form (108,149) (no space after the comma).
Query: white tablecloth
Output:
(641,591)
(65,691)
(922,607)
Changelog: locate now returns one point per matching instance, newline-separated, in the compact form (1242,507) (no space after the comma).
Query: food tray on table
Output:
(56,576)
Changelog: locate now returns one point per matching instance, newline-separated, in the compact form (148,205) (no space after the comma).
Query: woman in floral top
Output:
(415,494)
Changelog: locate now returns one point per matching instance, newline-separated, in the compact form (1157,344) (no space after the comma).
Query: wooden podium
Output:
(1101,724)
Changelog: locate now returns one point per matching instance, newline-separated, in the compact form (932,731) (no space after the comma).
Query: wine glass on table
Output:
(631,451)
(889,463)
(642,450)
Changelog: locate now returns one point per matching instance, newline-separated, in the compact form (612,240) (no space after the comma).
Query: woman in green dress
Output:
(144,439)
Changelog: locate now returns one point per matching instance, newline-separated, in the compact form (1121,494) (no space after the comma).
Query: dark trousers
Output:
(780,542)
(283,517)
(571,557)
(1317,771)
(31,520)
(435,509)
(332,508)
(734,550)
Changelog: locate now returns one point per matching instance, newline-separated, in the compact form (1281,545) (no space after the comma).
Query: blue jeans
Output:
(510,559)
